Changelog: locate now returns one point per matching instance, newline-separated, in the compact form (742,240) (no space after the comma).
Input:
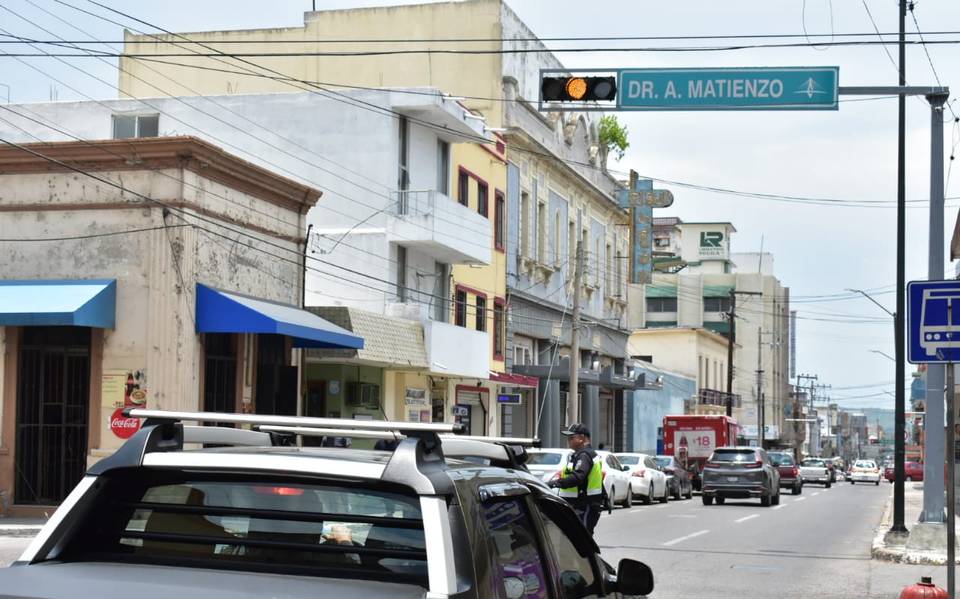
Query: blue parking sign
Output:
(933,322)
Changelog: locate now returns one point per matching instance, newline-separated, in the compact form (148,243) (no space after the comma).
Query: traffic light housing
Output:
(578,89)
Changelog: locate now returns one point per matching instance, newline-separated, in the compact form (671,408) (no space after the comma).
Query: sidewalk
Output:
(20,527)
(926,543)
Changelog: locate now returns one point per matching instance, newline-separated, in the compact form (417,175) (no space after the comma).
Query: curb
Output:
(19,530)
(879,550)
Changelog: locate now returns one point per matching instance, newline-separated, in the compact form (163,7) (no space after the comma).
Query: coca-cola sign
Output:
(122,426)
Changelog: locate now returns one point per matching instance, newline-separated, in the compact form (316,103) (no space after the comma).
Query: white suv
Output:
(865,471)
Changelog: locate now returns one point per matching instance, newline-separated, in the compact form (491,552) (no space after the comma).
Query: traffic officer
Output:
(581,480)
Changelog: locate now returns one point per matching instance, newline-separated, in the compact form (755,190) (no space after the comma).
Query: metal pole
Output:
(731,339)
(573,393)
(933,498)
(899,450)
(759,390)
(951,473)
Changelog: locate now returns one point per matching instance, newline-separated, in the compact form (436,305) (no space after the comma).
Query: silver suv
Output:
(214,512)
(740,472)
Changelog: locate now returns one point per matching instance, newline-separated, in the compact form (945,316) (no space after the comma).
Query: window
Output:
(556,238)
(499,328)
(661,304)
(541,232)
(524,224)
(481,313)
(619,266)
(519,568)
(577,575)
(401,273)
(440,293)
(460,308)
(217,521)
(482,207)
(127,126)
(597,257)
(499,208)
(716,304)
(403,176)
(443,167)
(571,247)
(463,188)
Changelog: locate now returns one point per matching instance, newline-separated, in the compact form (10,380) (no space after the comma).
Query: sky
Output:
(848,154)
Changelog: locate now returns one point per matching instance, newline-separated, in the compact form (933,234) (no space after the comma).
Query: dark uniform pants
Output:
(589,514)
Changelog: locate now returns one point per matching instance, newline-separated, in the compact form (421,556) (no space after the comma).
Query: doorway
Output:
(276,380)
(53,400)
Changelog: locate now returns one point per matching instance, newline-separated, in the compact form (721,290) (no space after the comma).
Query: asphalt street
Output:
(813,545)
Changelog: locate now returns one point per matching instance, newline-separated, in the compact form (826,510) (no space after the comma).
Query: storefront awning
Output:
(78,303)
(226,312)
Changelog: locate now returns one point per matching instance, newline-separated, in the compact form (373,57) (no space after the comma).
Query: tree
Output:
(613,136)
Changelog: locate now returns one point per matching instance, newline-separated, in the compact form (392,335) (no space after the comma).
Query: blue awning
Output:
(226,312)
(78,303)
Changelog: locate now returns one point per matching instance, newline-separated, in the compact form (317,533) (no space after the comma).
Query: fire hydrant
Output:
(925,589)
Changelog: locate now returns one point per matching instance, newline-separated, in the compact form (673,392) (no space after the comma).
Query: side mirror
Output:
(634,578)
(625,468)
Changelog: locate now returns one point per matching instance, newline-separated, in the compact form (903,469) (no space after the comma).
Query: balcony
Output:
(457,351)
(431,222)
(712,397)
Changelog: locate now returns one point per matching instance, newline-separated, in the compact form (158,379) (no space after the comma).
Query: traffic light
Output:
(578,89)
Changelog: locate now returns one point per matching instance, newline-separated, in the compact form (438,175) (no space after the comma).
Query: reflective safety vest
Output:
(594,480)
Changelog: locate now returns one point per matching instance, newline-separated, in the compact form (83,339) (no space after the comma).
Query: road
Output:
(813,545)
(11,548)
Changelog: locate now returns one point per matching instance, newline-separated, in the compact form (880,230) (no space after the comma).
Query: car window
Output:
(615,463)
(544,458)
(734,455)
(235,521)
(519,571)
(577,578)
(629,460)
(813,463)
(781,459)
(662,462)
(649,463)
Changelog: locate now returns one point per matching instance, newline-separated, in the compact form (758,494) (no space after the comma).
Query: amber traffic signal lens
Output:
(576,88)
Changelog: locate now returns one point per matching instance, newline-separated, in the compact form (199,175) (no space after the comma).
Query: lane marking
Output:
(686,538)
(815,494)
(681,516)
(800,499)
(780,507)
(745,518)
(635,510)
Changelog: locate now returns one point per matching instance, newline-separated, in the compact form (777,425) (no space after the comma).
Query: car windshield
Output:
(545,458)
(255,523)
(734,455)
(663,462)
(628,460)
(781,459)
(865,464)
(814,463)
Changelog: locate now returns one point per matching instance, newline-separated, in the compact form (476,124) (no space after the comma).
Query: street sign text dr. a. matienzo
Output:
(750,88)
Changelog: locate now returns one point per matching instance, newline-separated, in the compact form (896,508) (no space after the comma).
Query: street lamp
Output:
(867,295)
(885,355)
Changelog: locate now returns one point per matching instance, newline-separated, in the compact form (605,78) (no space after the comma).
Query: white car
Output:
(547,464)
(815,470)
(646,479)
(865,471)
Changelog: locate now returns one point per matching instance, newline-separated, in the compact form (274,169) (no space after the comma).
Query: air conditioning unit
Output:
(363,395)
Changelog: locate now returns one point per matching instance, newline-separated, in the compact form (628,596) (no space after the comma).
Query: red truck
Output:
(692,439)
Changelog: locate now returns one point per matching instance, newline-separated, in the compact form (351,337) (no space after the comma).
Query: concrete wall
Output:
(649,407)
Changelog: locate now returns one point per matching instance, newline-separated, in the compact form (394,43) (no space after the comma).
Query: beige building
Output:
(140,273)
(557,189)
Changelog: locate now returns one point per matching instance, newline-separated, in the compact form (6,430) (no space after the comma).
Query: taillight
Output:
(639,473)
(755,465)
(285,491)
(603,475)
(712,465)
(795,470)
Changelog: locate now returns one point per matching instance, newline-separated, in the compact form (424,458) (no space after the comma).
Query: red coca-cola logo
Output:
(122,426)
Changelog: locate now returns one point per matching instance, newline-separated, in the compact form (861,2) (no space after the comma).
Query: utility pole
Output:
(731,341)
(760,430)
(900,401)
(573,404)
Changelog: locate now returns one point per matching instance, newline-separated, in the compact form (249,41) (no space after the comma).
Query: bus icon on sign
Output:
(939,329)
(933,321)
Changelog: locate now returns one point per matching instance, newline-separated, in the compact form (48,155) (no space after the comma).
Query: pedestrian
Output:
(581,480)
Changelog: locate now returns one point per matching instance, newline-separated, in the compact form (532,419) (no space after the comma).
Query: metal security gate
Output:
(220,373)
(53,398)
(276,381)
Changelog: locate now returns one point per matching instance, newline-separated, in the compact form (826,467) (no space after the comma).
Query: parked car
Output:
(679,482)
(789,471)
(548,464)
(889,473)
(646,479)
(913,470)
(865,471)
(254,517)
(816,470)
(740,472)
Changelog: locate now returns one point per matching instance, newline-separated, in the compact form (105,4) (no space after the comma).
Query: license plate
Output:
(732,479)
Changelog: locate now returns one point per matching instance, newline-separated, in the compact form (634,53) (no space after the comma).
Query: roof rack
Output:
(309,431)
(294,421)
(522,442)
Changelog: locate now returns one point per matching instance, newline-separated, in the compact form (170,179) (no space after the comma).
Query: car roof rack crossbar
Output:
(309,431)
(523,442)
(301,421)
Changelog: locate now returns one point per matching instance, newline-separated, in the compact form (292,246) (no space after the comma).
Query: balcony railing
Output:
(415,202)
(712,397)
(431,222)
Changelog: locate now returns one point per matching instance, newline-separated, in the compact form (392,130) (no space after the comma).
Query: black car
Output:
(740,472)
(679,483)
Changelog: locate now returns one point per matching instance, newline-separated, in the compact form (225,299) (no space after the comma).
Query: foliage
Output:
(613,136)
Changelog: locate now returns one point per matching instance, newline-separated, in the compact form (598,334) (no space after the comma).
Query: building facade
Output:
(135,273)
(557,193)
